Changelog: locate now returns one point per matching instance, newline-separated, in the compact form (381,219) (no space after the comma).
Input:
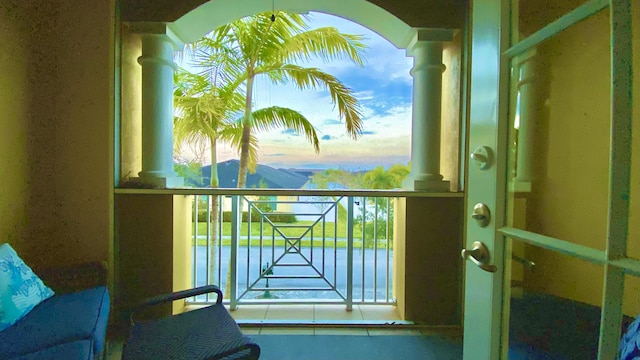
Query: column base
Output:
(429,185)
(156,182)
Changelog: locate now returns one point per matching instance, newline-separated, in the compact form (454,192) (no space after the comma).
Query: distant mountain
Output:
(265,176)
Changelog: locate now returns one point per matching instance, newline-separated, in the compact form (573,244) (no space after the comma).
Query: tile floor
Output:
(363,320)
(316,314)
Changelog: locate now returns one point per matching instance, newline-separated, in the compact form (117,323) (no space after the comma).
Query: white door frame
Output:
(483,290)
(483,325)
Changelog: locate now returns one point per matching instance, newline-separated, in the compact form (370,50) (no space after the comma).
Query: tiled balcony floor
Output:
(363,320)
(316,314)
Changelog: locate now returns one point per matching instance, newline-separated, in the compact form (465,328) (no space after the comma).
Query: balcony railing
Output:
(294,249)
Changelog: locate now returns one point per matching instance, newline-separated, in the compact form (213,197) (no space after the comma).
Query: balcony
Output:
(295,249)
(344,249)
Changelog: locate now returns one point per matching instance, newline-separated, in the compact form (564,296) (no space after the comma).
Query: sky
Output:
(383,88)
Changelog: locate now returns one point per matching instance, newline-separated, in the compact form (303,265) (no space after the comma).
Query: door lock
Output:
(479,255)
(482,157)
(481,214)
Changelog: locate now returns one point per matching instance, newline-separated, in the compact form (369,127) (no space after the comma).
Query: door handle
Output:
(479,255)
(526,262)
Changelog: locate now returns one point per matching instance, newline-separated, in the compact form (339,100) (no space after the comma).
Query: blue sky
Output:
(383,87)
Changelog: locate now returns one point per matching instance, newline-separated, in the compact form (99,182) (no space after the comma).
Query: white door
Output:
(483,289)
(549,181)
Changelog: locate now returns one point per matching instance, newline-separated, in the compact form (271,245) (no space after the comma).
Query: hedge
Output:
(255,217)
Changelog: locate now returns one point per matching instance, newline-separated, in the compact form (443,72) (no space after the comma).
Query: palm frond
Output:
(276,117)
(326,43)
(341,95)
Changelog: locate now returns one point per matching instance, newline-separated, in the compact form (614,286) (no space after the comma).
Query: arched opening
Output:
(210,15)
(436,116)
(445,43)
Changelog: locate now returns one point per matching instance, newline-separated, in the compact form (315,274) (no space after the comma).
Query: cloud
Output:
(289,132)
(384,89)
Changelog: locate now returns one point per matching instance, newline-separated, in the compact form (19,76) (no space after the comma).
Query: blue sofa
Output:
(544,327)
(69,325)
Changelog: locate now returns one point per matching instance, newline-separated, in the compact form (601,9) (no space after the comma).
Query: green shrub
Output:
(255,217)
(283,218)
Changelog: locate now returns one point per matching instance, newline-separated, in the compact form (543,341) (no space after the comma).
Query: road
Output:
(294,264)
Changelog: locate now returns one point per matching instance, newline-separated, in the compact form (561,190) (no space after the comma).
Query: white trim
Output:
(619,175)
(561,246)
(580,13)
(628,265)
(289,192)
(212,14)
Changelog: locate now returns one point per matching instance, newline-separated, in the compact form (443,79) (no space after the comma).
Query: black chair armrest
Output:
(155,300)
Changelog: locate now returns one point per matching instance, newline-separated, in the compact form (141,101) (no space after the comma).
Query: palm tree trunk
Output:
(215,207)
(246,135)
(244,157)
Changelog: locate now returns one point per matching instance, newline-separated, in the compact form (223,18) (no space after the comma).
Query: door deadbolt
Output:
(481,214)
(482,157)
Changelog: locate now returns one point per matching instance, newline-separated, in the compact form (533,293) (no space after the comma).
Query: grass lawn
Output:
(294,230)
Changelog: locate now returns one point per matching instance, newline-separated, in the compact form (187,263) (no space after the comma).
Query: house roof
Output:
(265,176)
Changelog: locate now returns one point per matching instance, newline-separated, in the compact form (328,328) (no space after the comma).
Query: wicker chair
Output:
(205,333)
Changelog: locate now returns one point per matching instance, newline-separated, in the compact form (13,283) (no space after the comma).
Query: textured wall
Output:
(57,122)
(14,129)
(417,13)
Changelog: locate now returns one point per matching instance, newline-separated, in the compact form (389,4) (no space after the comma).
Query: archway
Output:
(156,42)
(424,45)
(212,14)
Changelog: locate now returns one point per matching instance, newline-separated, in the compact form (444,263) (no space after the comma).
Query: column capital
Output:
(423,35)
(157,49)
(160,29)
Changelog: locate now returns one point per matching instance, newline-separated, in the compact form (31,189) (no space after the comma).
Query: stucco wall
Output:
(131,109)
(420,13)
(14,125)
(84,143)
(56,95)
(451,111)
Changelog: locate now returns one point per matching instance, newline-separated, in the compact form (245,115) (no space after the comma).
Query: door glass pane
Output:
(559,135)
(634,206)
(533,15)
(552,316)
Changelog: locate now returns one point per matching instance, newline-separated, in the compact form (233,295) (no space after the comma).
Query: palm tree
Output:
(379,178)
(206,108)
(241,50)
(203,107)
(261,46)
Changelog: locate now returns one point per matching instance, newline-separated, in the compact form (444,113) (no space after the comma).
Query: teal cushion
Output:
(20,289)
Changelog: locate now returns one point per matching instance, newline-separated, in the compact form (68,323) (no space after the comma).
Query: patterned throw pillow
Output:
(20,289)
(630,342)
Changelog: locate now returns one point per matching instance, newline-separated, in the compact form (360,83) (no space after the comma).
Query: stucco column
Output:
(525,112)
(426,50)
(157,111)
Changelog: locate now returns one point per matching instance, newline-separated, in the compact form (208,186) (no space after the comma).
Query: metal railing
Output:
(294,249)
